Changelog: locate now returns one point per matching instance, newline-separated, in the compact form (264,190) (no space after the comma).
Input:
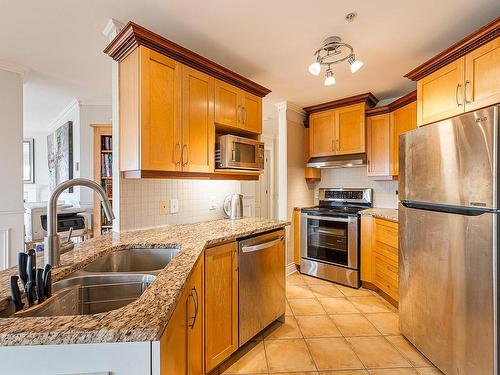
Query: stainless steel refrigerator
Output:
(448,241)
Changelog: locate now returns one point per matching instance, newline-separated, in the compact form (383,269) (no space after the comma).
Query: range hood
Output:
(338,161)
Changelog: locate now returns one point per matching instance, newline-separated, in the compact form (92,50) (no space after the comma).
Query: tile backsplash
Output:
(384,192)
(140,201)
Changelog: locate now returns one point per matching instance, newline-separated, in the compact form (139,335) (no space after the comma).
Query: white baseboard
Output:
(290,268)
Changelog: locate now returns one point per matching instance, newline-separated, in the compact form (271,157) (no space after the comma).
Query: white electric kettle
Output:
(233,206)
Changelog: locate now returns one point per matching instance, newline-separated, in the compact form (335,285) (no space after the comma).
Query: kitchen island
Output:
(142,321)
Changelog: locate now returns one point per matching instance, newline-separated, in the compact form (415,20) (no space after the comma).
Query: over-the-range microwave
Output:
(233,152)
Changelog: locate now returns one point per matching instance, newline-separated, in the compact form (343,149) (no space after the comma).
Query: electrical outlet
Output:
(174,206)
(212,203)
(163,208)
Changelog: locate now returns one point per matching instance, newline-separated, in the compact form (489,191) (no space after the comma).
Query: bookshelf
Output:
(103,172)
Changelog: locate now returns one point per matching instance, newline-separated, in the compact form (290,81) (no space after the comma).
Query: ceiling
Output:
(270,42)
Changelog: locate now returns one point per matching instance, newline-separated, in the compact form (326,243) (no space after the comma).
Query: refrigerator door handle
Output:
(444,208)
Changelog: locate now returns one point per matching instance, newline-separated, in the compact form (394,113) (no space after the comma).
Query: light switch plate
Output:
(212,204)
(174,206)
(163,208)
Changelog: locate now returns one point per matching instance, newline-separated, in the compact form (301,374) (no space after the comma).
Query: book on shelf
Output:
(107,186)
(106,165)
(106,143)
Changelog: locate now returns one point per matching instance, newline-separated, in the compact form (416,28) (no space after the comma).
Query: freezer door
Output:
(452,162)
(446,284)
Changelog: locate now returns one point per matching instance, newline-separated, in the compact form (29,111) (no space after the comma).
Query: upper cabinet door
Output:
(378,145)
(401,120)
(160,111)
(227,104)
(350,129)
(441,94)
(251,112)
(482,76)
(198,130)
(321,134)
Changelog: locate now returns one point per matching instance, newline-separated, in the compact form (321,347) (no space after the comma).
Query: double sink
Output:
(106,284)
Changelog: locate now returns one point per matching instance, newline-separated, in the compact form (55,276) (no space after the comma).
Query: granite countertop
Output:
(390,214)
(143,319)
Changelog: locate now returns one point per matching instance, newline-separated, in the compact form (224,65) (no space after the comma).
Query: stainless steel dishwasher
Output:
(261,282)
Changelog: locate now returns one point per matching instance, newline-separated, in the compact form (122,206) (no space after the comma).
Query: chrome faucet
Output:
(52,243)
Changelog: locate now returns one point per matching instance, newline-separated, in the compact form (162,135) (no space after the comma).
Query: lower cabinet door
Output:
(195,309)
(221,303)
(174,341)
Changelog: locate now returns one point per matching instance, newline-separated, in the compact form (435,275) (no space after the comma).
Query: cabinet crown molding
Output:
(392,106)
(134,35)
(482,36)
(368,98)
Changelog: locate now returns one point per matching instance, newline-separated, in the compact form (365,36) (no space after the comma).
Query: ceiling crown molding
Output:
(392,106)
(134,35)
(13,67)
(368,98)
(459,49)
(64,113)
(112,28)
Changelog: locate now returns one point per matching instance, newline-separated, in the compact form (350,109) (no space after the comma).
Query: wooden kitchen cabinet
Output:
(482,76)
(198,129)
(462,78)
(340,130)
(379,255)
(401,121)
(237,109)
(378,129)
(440,94)
(181,345)
(350,129)
(322,134)
(310,174)
(221,303)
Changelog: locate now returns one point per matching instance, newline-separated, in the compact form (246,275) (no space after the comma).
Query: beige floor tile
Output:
(386,323)
(298,291)
(322,290)
(354,325)
(288,355)
(251,360)
(353,292)
(428,371)
(338,305)
(333,354)
(297,373)
(344,372)
(317,326)
(315,281)
(295,279)
(288,310)
(306,306)
(394,371)
(371,304)
(287,330)
(376,352)
(409,351)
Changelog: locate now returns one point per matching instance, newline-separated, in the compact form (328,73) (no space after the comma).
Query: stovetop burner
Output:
(341,202)
(334,210)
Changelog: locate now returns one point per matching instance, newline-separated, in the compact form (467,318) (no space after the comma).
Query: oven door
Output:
(330,239)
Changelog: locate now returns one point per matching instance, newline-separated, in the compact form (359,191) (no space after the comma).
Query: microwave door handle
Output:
(233,153)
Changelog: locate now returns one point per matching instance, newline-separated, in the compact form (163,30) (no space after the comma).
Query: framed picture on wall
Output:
(60,155)
(29,161)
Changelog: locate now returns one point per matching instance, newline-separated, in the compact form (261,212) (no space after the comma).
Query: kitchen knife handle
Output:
(40,287)
(31,266)
(47,281)
(22,263)
(30,292)
(16,293)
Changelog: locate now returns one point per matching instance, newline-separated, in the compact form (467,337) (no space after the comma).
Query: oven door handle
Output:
(261,246)
(330,218)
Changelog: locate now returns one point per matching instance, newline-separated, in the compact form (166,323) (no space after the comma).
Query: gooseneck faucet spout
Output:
(52,243)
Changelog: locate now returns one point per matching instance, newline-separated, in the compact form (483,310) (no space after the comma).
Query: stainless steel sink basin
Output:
(134,260)
(92,294)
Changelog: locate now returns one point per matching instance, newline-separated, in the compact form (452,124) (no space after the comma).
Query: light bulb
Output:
(315,68)
(330,79)
(355,64)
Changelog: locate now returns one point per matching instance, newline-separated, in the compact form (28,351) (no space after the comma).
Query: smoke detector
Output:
(351,16)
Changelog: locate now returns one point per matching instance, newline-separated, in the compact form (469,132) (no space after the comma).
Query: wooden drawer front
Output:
(386,275)
(386,251)
(386,232)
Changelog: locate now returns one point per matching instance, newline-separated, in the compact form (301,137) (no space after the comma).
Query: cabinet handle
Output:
(244,110)
(186,147)
(194,296)
(456,95)
(239,113)
(465,92)
(178,162)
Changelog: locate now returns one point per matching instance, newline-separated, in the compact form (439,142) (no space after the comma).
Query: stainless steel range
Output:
(330,235)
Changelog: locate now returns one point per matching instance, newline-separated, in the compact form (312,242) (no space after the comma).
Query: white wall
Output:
(11,167)
(140,201)
(384,192)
